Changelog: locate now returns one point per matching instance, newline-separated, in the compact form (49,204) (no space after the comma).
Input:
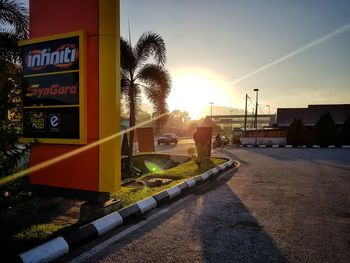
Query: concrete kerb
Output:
(60,246)
(291,146)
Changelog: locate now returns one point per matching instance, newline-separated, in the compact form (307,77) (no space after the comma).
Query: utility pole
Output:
(231,121)
(269,115)
(245,114)
(256,115)
(211,109)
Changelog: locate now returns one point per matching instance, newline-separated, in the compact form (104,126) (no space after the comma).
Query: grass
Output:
(185,170)
(32,236)
(178,174)
(38,232)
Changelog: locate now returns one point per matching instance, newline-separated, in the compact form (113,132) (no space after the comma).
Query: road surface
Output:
(180,148)
(283,205)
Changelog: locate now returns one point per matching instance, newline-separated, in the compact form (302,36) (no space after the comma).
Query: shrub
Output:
(297,133)
(199,155)
(344,136)
(325,131)
(11,151)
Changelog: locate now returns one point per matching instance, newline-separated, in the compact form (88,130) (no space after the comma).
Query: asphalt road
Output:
(283,205)
(180,148)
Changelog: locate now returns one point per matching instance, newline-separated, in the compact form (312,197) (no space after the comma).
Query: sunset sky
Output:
(212,44)
(295,52)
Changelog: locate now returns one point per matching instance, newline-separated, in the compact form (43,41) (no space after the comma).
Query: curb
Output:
(60,246)
(291,146)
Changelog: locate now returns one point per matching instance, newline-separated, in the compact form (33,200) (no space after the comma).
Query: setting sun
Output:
(194,88)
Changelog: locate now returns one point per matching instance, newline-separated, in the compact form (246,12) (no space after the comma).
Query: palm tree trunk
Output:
(132,120)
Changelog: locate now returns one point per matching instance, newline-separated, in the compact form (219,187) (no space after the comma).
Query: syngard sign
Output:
(54,88)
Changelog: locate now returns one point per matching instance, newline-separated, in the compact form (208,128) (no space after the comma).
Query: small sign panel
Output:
(53,88)
(51,123)
(54,123)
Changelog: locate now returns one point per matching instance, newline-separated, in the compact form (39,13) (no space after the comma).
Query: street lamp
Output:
(268,107)
(211,109)
(256,115)
(231,120)
(256,108)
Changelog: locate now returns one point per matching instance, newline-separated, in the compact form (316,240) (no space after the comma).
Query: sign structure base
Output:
(95,197)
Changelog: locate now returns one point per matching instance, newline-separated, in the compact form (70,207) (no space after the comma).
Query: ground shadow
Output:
(230,233)
(62,214)
(227,230)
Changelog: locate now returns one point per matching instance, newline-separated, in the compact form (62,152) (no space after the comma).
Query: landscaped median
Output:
(139,201)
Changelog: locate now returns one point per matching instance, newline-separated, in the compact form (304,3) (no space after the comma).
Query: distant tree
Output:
(178,122)
(138,74)
(297,133)
(186,116)
(208,122)
(143,116)
(345,132)
(325,131)
(192,127)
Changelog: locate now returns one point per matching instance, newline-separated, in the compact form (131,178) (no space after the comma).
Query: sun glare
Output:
(194,88)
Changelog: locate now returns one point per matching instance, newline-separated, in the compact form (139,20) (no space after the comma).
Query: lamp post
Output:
(211,109)
(231,111)
(256,115)
(268,107)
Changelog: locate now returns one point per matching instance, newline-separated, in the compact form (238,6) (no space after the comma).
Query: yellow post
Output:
(109,95)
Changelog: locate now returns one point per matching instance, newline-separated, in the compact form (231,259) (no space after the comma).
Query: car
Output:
(167,138)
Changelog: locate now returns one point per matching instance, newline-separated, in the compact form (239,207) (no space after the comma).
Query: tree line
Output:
(324,133)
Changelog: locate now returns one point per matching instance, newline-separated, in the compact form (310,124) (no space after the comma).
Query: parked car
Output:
(167,138)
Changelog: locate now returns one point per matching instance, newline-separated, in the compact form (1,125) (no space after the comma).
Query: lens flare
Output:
(153,166)
(67,155)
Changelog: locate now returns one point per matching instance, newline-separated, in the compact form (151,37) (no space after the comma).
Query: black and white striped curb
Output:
(60,246)
(291,146)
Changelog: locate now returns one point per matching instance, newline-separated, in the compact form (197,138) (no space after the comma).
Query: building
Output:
(268,133)
(229,122)
(310,115)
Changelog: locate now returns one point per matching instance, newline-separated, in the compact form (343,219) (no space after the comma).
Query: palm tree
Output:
(138,74)
(14,25)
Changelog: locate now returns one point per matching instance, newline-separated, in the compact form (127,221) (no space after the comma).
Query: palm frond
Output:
(149,44)
(157,86)
(16,15)
(9,50)
(127,57)
(124,82)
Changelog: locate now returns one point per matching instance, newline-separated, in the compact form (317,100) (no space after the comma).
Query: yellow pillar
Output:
(109,95)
